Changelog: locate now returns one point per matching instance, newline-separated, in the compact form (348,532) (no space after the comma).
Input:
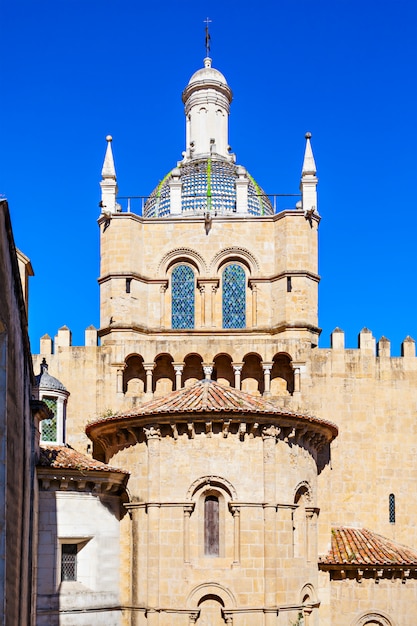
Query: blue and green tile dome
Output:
(208,184)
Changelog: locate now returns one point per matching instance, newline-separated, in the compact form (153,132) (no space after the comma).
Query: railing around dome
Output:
(136,204)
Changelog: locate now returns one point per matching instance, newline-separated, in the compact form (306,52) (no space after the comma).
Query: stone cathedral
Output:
(204,461)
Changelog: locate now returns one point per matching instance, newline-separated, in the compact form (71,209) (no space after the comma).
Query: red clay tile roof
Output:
(360,546)
(208,396)
(65,457)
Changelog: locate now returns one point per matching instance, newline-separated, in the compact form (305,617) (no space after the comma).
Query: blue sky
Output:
(74,71)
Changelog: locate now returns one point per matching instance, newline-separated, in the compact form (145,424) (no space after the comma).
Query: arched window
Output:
(392,508)
(211,526)
(183,297)
(49,426)
(234,297)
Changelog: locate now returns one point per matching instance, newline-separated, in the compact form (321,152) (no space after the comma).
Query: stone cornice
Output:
(120,433)
(96,482)
(219,218)
(202,332)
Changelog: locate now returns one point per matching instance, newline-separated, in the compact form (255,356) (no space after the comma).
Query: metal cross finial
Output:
(207,21)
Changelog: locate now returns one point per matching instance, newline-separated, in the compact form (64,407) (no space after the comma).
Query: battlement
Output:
(367,344)
(63,339)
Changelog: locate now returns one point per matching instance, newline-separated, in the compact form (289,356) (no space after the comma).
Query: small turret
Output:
(207,99)
(108,183)
(308,184)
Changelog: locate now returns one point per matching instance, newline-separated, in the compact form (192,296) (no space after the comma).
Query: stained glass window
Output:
(234,297)
(183,297)
(48,426)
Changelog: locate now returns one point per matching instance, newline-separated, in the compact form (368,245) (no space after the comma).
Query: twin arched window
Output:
(233,297)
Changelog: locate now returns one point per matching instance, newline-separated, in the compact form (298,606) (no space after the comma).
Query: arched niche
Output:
(252,377)
(134,376)
(282,375)
(163,375)
(223,370)
(193,369)
(224,596)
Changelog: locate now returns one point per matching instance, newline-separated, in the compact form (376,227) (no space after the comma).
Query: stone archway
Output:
(210,611)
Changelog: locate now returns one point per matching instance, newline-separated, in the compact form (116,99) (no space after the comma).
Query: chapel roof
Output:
(360,546)
(209,396)
(65,457)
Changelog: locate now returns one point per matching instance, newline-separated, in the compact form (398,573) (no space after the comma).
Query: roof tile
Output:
(208,396)
(360,546)
(65,457)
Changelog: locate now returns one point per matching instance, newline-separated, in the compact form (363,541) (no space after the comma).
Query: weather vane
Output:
(207,21)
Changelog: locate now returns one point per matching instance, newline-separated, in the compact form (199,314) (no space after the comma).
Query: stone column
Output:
(237,368)
(153,436)
(297,376)
(306,614)
(254,305)
(267,367)
(236,527)
(213,305)
(311,533)
(178,369)
(119,379)
(269,434)
(188,509)
(162,290)
(148,367)
(202,289)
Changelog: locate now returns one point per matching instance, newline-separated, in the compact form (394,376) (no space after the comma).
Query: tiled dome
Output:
(44,381)
(208,184)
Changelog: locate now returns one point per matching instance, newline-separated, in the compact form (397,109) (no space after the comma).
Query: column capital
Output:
(234,509)
(148,367)
(208,370)
(267,366)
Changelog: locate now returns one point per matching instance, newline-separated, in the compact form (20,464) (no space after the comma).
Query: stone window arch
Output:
(213,520)
(373,618)
(182,297)
(234,296)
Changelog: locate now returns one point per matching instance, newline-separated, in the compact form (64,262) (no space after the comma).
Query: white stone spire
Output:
(108,183)
(308,184)
(309,165)
(207,99)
